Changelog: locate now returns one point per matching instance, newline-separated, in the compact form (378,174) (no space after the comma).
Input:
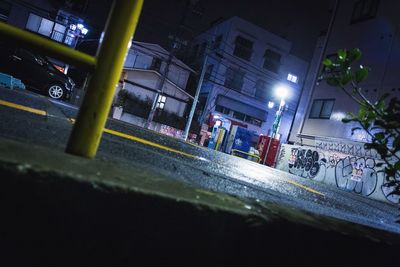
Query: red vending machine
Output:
(273,149)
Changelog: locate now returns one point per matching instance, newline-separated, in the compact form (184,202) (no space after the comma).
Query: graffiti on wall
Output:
(348,148)
(350,173)
(356,174)
(306,163)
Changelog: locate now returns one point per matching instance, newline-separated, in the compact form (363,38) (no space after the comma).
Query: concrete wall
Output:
(346,165)
(155,126)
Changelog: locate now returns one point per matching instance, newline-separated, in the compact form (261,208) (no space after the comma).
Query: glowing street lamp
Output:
(281,92)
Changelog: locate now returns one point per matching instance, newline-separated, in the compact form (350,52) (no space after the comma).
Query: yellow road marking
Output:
(140,140)
(306,188)
(134,138)
(137,139)
(143,141)
(24,108)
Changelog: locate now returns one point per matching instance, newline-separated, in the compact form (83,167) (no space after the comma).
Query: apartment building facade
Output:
(245,64)
(373,27)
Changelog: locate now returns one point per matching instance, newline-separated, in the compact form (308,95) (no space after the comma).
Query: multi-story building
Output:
(143,70)
(245,63)
(61,21)
(373,27)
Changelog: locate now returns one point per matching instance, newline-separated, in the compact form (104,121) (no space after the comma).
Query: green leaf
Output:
(361,74)
(327,62)
(346,78)
(397,165)
(333,81)
(396,142)
(362,112)
(342,55)
(347,120)
(379,136)
(354,54)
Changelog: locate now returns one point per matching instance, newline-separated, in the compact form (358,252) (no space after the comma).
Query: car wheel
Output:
(56,91)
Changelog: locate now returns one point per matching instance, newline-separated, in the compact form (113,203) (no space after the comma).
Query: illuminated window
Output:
(47,28)
(161,101)
(292,78)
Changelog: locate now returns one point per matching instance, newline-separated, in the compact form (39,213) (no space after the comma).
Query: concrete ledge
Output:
(58,209)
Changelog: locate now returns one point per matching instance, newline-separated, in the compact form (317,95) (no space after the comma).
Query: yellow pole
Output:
(88,129)
(48,47)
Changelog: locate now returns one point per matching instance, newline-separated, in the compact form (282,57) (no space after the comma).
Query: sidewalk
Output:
(59,209)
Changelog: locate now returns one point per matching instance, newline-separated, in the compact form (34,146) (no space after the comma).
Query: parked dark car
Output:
(35,71)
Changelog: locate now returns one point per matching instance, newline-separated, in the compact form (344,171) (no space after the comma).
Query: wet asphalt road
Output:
(189,163)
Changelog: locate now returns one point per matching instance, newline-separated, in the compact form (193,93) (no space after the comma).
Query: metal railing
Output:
(236,152)
(105,70)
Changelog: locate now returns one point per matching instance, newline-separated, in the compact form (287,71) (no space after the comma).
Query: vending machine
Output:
(268,148)
(218,135)
(239,139)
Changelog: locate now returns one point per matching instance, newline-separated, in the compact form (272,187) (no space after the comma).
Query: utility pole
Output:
(159,90)
(196,97)
(166,71)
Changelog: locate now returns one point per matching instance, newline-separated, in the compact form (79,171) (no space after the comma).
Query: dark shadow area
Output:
(54,221)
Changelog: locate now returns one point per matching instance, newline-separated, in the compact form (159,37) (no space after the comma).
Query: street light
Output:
(282,92)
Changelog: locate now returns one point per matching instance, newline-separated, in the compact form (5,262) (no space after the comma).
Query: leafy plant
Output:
(121,97)
(380,119)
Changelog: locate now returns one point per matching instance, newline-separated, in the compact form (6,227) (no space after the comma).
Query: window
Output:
(243,48)
(239,115)
(156,64)
(208,72)
(292,78)
(217,42)
(234,79)
(364,10)
(50,29)
(40,25)
(321,108)
(5,9)
(263,90)
(260,89)
(58,32)
(222,109)
(252,120)
(272,60)
(161,101)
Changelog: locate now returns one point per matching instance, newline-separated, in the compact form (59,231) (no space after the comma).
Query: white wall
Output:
(379,41)
(342,164)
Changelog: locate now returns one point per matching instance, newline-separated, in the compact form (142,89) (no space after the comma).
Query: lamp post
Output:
(281,92)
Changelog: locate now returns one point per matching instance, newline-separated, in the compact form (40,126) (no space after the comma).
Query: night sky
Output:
(297,21)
